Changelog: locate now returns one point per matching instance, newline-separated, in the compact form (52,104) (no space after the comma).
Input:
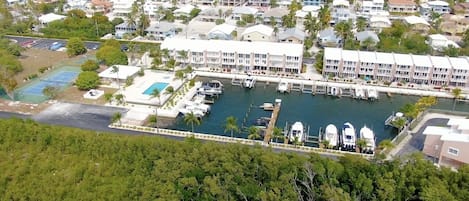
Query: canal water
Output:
(314,111)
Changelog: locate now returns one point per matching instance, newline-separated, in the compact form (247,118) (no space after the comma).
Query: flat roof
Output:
(440,62)
(245,47)
(332,53)
(351,55)
(367,57)
(403,59)
(457,122)
(436,130)
(422,60)
(459,63)
(384,58)
(123,73)
(455,137)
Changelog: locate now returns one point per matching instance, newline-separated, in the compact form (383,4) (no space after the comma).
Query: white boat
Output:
(334,91)
(197,113)
(267,106)
(199,109)
(282,87)
(348,136)
(360,93)
(372,94)
(297,132)
(249,82)
(369,136)
(211,88)
(331,135)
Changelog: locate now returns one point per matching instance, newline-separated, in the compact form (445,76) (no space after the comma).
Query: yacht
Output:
(372,94)
(348,136)
(297,132)
(331,135)
(369,136)
(199,109)
(211,88)
(360,93)
(249,82)
(282,87)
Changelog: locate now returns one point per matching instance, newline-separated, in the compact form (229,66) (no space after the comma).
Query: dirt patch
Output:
(34,59)
(22,108)
(74,95)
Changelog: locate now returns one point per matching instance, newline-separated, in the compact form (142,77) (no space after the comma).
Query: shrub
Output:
(87,80)
(90,65)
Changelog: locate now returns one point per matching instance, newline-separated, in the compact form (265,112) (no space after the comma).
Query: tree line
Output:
(44,162)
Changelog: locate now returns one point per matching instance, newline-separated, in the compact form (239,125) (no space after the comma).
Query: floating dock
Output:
(237,81)
(273,120)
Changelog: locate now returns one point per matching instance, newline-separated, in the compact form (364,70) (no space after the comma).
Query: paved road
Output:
(415,144)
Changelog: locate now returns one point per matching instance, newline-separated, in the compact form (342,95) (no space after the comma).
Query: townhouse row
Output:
(241,55)
(419,69)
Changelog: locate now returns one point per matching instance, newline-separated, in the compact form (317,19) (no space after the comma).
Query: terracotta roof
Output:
(402,2)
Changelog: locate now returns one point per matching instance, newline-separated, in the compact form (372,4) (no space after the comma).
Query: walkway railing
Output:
(218,138)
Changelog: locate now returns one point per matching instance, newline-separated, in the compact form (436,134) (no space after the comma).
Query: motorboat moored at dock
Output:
(249,82)
(283,87)
(349,137)
(211,88)
(369,136)
(372,94)
(331,135)
(360,93)
(296,133)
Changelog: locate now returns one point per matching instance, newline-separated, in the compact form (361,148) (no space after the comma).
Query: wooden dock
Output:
(273,121)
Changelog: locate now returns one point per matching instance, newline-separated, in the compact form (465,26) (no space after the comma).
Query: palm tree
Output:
(368,43)
(191,119)
(169,90)
(231,125)
(156,94)
(183,55)
(324,17)
(457,95)
(115,70)
(277,134)
(399,123)
(361,143)
(361,24)
(119,98)
(343,30)
(310,24)
(116,117)
(253,133)
(179,74)
(386,144)
(153,120)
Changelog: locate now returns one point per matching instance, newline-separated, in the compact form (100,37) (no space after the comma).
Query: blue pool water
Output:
(157,85)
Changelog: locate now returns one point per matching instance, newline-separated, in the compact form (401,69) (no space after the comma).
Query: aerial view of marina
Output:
(234,100)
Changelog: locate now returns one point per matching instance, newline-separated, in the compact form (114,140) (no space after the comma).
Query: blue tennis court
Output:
(59,80)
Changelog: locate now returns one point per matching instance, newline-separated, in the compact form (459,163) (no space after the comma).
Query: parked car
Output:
(28,43)
(55,46)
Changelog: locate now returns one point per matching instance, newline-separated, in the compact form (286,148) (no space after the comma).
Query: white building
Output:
(420,69)
(122,8)
(262,56)
(438,7)
(50,17)
(372,7)
(440,42)
(341,11)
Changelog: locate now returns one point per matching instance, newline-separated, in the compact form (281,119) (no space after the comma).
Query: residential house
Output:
(151,8)
(461,9)
(362,36)
(183,11)
(402,6)
(75,4)
(372,7)
(454,24)
(221,32)
(313,2)
(378,23)
(328,38)
(421,69)
(292,35)
(104,6)
(448,144)
(161,30)
(205,2)
(228,54)
(122,8)
(238,12)
(417,23)
(259,3)
(232,2)
(14,2)
(211,14)
(50,17)
(124,28)
(300,15)
(438,7)
(258,32)
(275,13)
(440,43)
(116,78)
(341,11)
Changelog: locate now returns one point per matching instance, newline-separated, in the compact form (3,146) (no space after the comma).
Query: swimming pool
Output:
(157,85)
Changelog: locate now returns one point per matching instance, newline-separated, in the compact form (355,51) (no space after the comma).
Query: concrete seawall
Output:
(384,89)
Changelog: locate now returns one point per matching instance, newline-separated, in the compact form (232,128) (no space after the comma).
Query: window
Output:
(453,151)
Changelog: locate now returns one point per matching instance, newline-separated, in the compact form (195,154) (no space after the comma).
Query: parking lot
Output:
(45,43)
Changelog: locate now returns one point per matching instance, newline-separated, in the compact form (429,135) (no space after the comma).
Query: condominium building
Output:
(420,69)
(247,56)
(402,6)
(448,144)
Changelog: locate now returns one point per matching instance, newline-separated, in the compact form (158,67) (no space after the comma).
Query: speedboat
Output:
(369,136)
(372,94)
(212,88)
(282,87)
(335,91)
(348,136)
(249,82)
(297,132)
(360,93)
(331,135)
